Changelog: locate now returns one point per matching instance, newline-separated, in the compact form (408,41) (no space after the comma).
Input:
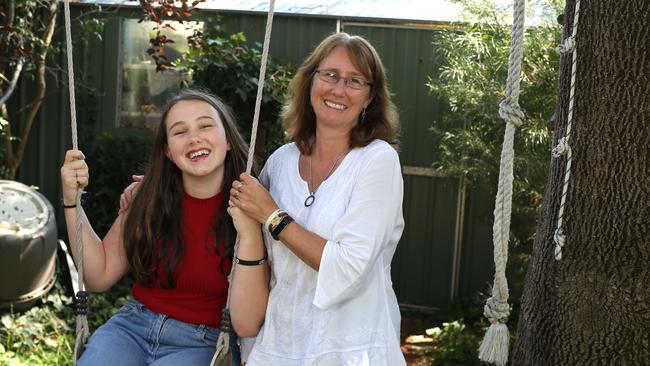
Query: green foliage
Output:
(45,334)
(454,344)
(25,37)
(104,305)
(459,331)
(112,159)
(471,81)
(41,336)
(229,68)
(29,51)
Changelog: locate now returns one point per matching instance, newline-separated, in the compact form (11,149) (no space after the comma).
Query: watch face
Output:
(21,210)
(276,220)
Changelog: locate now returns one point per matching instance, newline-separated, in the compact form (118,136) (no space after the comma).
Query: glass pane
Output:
(145,91)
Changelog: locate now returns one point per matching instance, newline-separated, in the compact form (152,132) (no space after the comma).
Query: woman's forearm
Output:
(304,244)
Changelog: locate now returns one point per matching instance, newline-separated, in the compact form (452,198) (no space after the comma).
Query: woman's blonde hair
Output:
(381,119)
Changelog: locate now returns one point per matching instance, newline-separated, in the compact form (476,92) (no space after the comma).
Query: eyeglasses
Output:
(332,77)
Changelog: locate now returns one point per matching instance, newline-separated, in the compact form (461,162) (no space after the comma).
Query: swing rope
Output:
(563,147)
(494,347)
(223,342)
(81,297)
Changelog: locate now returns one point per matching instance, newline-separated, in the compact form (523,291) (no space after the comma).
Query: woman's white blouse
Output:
(346,313)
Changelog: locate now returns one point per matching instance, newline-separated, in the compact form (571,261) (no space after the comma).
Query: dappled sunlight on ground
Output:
(416,346)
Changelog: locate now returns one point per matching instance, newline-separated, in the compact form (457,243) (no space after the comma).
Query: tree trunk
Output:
(14,154)
(593,306)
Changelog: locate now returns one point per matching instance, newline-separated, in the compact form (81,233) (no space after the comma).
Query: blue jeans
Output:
(136,335)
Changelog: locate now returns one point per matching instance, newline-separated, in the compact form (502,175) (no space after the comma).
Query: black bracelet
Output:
(245,262)
(69,206)
(286,220)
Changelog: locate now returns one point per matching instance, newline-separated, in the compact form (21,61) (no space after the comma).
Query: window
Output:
(145,91)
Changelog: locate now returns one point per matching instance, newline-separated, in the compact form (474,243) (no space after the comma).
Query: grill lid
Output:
(22,211)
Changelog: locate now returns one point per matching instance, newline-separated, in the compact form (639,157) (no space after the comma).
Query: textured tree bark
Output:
(14,150)
(593,306)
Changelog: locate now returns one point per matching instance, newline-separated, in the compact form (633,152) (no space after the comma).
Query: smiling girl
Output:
(177,237)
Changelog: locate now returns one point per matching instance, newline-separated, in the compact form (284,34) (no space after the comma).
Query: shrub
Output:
(228,67)
(454,344)
(471,81)
(45,334)
(112,158)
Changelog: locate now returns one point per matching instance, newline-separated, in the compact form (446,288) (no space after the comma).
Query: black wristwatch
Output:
(286,220)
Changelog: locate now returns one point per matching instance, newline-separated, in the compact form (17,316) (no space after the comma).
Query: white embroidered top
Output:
(346,313)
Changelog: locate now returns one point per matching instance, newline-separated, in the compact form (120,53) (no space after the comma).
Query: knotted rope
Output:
(223,342)
(563,147)
(81,297)
(494,347)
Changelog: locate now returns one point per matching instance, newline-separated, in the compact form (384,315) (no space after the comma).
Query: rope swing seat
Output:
(222,356)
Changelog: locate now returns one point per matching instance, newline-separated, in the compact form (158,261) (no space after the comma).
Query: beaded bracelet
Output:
(270,219)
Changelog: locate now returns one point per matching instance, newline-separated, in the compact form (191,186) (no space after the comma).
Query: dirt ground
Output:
(415,345)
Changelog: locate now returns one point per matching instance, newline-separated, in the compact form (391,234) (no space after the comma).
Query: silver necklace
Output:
(312,194)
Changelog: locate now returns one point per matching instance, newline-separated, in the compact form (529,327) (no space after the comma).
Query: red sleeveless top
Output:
(201,287)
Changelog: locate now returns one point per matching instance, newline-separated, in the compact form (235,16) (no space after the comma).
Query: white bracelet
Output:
(271,217)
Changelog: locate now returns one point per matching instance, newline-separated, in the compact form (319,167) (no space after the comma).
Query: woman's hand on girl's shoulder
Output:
(129,193)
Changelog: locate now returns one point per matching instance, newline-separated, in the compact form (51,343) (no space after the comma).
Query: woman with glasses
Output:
(331,206)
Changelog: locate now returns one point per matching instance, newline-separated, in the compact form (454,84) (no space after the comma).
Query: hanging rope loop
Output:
(511,113)
(496,311)
(562,148)
(495,344)
(560,240)
(566,46)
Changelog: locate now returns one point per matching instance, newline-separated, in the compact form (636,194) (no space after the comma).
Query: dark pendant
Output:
(310,200)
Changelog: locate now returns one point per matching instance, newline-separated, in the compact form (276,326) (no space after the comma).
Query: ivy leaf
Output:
(6,322)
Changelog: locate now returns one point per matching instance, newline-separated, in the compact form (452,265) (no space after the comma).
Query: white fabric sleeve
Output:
(270,166)
(372,216)
(245,347)
(264,177)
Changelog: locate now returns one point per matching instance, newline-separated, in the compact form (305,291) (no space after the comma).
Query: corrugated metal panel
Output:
(477,265)
(422,268)
(424,264)
(50,136)
(409,57)
(292,39)
(39,164)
